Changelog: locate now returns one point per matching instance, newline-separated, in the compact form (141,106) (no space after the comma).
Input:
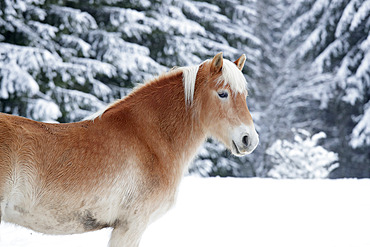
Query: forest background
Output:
(308,70)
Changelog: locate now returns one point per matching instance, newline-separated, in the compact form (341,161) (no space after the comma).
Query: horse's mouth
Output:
(236,148)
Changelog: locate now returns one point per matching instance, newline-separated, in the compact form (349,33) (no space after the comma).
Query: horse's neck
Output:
(164,121)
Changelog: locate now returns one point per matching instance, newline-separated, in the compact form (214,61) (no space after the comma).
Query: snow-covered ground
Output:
(243,212)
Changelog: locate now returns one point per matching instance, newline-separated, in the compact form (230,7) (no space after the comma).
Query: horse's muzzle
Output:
(245,140)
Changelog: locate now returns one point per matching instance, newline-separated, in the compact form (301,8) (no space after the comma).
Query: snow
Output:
(119,16)
(361,133)
(130,22)
(28,58)
(323,61)
(242,212)
(73,20)
(16,81)
(78,103)
(73,42)
(346,18)
(303,158)
(305,21)
(43,110)
(45,31)
(130,59)
(96,66)
(177,26)
(362,13)
(363,70)
(36,12)
(204,11)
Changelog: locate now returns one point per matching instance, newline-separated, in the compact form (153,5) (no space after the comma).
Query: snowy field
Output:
(243,212)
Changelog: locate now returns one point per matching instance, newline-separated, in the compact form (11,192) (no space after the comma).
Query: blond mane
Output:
(231,76)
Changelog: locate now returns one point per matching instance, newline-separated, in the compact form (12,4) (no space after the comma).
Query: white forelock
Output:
(231,76)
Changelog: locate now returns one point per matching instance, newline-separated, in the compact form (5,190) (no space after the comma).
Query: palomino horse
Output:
(121,168)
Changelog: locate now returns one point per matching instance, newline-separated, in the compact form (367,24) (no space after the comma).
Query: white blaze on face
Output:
(244,138)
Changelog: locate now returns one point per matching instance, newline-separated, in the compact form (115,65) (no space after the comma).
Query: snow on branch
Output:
(30,59)
(301,158)
(43,110)
(71,20)
(131,60)
(357,60)
(14,80)
(346,18)
(78,46)
(305,22)
(361,133)
(361,15)
(77,104)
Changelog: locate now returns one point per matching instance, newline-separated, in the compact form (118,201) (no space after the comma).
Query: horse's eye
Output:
(223,94)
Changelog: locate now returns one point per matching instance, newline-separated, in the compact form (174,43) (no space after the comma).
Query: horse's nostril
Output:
(245,140)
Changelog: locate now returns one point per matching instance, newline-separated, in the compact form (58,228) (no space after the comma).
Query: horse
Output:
(122,167)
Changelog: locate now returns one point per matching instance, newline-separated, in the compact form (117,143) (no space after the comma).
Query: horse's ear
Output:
(240,62)
(217,63)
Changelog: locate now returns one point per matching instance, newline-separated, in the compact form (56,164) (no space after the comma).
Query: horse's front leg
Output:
(126,235)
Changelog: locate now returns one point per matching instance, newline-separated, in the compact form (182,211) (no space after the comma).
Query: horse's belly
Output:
(41,220)
(55,221)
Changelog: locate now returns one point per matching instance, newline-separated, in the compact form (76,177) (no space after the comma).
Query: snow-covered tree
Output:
(323,78)
(302,158)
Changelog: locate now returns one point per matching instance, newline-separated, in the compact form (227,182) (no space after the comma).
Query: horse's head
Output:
(221,91)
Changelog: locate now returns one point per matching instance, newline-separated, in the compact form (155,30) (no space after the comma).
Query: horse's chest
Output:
(163,204)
